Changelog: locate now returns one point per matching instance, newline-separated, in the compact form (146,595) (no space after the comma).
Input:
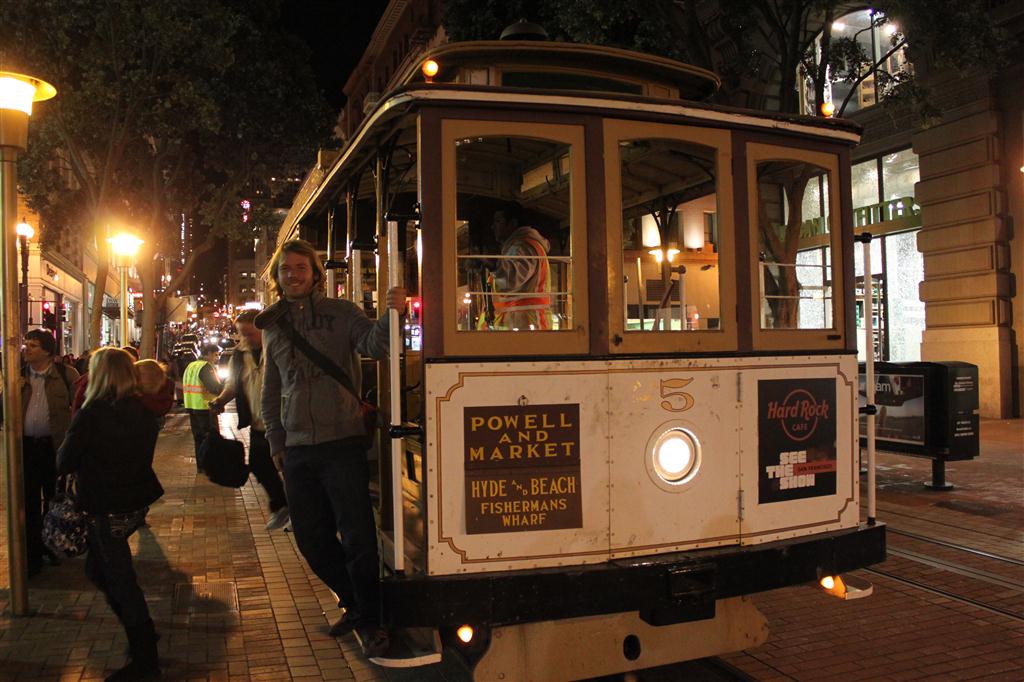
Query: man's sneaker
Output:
(343,625)
(374,641)
(278,519)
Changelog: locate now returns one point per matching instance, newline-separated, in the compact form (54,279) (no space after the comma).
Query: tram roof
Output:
(416,95)
(692,82)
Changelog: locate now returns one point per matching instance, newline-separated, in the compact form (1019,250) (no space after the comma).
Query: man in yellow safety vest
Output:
(200,387)
(520,278)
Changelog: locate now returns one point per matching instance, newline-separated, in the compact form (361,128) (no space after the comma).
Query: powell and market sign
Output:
(522,468)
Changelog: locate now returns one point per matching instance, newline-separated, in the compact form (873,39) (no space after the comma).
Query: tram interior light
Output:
(649,232)
(465,634)
(430,68)
(660,254)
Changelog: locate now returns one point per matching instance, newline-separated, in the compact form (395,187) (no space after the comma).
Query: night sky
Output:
(337,32)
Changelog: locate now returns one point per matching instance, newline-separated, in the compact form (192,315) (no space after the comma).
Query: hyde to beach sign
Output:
(522,468)
(796,439)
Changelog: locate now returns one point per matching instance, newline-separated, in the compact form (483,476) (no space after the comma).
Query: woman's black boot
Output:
(142,664)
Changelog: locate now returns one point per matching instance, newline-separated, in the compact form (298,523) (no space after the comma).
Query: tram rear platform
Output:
(235,602)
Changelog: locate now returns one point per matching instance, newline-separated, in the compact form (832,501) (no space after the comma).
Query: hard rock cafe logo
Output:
(798,414)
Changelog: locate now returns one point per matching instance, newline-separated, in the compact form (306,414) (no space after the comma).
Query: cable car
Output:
(623,399)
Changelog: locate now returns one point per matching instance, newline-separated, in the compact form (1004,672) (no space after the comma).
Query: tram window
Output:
(513,234)
(795,256)
(670,236)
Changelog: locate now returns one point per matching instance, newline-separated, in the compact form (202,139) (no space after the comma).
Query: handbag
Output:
(65,527)
(367,411)
(223,459)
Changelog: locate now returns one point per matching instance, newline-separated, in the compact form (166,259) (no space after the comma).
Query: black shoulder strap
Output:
(318,358)
(63,372)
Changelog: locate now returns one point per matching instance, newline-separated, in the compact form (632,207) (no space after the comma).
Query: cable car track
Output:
(961,569)
(953,545)
(882,512)
(945,593)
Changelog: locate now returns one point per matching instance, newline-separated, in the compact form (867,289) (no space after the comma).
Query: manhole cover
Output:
(975,508)
(205,598)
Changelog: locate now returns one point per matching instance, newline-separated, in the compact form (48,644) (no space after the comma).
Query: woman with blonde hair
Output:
(109,448)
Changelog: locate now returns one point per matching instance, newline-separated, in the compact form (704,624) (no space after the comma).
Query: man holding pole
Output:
(313,418)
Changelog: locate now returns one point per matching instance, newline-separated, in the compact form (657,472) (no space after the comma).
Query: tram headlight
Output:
(465,634)
(676,456)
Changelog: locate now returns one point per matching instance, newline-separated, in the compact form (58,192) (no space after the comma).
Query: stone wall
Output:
(965,239)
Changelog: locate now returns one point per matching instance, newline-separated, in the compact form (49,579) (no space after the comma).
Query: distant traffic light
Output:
(49,317)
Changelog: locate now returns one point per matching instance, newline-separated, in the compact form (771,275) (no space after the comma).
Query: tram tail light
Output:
(850,587)
(465,634)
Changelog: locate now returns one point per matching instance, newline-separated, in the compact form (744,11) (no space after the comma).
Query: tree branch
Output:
(871,70)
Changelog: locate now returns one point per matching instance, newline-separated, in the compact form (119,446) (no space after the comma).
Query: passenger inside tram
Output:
(518,280)
(513,234)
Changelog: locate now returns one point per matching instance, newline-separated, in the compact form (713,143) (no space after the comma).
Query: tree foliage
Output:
(163,108)
(641,25)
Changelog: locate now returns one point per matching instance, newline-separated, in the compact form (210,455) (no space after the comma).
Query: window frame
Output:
(725,338)
(833,338)
(483,343)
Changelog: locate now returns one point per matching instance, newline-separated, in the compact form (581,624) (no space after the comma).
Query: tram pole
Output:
(870,408)
(395,377)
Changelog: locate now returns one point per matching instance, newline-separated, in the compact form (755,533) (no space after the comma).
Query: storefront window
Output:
(905,271)
(865,183)
(900,172)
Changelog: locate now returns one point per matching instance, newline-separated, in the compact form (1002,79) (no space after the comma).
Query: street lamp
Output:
(17,93)
(124,246)
(24,232)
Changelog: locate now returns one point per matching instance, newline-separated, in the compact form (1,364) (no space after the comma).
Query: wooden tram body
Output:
(603,495)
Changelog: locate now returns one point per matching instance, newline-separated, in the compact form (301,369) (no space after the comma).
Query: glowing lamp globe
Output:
(17,94)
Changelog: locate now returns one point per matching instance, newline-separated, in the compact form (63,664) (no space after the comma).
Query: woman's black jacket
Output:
(109,448)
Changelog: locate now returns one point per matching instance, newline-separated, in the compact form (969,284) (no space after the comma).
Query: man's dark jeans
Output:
(262,465)
(40,472)
(108,565)
(201,422)
(328,489)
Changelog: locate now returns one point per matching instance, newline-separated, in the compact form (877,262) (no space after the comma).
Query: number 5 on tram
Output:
(624,397)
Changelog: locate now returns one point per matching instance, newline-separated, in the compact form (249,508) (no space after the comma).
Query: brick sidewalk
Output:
(232,601)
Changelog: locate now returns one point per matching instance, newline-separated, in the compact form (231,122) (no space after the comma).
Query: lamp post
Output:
(17,93)
(24,232)
(124,246)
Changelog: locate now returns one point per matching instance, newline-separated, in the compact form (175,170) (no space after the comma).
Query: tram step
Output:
(410,648)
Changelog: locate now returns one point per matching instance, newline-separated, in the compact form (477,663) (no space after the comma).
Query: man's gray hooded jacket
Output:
(301,404)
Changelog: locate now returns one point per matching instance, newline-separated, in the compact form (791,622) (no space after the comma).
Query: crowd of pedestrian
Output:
(95,419)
